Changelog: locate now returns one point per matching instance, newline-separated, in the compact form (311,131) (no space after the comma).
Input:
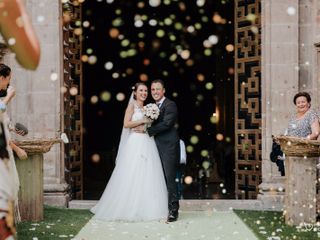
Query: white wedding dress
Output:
(136,190)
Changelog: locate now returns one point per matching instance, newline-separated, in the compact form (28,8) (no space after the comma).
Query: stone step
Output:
(200,205)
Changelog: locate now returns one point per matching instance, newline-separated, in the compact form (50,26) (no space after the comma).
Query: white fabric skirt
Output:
(136,190)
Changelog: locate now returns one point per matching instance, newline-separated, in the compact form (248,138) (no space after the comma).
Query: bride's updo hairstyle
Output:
(135,88)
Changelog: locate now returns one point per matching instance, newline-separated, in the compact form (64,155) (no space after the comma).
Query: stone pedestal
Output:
(301,178)
(31,178)
(300,200)
(31,187)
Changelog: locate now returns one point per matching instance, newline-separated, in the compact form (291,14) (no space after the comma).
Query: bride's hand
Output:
(147,120)
(139,129)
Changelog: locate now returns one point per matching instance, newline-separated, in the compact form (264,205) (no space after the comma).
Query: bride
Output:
(136,190)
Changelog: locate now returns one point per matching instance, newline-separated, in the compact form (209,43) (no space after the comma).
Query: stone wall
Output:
(290,63)
(308,32)
(38,102)
(280,74)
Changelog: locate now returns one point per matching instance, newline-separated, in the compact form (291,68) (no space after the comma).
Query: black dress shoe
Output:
(173,216)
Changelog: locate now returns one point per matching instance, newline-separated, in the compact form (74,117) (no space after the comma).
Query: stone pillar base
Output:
(301,190)
(272,192)
(56,195)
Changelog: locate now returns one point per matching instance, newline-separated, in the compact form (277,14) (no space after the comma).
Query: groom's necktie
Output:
(158,104)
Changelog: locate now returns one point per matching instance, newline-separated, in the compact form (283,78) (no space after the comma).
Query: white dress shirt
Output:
(161,101)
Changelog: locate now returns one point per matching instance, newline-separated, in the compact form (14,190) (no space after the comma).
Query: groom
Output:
(167,139)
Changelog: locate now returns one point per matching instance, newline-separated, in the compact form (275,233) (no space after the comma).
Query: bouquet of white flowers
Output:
(151,111)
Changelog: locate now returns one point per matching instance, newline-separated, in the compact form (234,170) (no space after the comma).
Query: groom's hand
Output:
(139,129)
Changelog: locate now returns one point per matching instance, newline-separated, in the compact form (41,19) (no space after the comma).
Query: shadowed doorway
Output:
(190,47)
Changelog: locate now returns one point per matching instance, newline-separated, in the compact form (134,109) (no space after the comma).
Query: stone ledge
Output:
(56,199)
(82,204)
(272,187)
(201,205)
(55,187)
(56,194)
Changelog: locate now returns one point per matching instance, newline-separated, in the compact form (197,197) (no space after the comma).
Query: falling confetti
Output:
(189,46)
(291,11)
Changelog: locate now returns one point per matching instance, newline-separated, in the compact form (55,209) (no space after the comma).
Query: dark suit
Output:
(167,140)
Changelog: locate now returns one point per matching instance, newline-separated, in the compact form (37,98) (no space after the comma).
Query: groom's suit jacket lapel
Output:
(162,109)
(163,105)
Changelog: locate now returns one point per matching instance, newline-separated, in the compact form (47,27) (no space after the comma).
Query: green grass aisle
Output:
(59,223)
(271,226)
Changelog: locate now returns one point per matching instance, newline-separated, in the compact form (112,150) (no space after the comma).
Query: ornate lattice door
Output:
(247,97)
(73,96)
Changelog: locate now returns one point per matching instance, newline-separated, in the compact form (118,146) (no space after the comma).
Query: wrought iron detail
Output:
(247,97)
(72,80)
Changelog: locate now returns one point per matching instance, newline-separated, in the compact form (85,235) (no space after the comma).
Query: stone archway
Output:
(247,99)
(280,79)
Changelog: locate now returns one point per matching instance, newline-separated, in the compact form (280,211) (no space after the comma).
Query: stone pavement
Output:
(208,204)
(192,225)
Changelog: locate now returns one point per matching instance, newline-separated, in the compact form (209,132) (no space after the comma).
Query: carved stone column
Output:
(280,81)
